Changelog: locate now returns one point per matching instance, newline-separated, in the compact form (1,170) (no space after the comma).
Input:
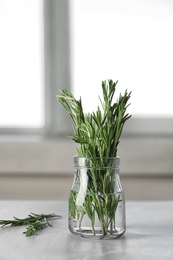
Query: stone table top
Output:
(149,234)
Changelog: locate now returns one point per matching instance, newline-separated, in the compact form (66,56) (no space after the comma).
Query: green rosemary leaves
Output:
(98,133)
(35,222)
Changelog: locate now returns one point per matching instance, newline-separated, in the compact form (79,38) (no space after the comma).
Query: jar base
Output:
(88,233)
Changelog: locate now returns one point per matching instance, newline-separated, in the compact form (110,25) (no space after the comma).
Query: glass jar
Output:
(96,201)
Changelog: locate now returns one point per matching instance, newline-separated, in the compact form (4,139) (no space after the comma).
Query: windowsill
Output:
(36,155)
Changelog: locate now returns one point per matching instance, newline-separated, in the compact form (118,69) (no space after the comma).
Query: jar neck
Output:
(96,162)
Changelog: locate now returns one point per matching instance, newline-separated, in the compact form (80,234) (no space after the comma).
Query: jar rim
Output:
(87,157)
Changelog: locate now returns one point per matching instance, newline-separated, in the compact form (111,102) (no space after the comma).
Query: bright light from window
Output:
(128,41)
(21,63)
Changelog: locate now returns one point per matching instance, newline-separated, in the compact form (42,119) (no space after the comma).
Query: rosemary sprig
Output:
(34,221)
(37,225)
(98,133)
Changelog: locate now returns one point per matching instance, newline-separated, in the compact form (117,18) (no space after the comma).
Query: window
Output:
(34,66)
(21,64)
(129,41)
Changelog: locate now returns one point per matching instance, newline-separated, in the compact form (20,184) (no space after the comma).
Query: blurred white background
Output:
(49,45)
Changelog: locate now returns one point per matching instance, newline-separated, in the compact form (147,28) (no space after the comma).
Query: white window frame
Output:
(146,145)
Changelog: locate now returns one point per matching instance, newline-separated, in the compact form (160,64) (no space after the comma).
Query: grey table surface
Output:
(149,234)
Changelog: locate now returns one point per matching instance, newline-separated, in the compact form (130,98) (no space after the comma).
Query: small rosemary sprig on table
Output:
(34,221)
